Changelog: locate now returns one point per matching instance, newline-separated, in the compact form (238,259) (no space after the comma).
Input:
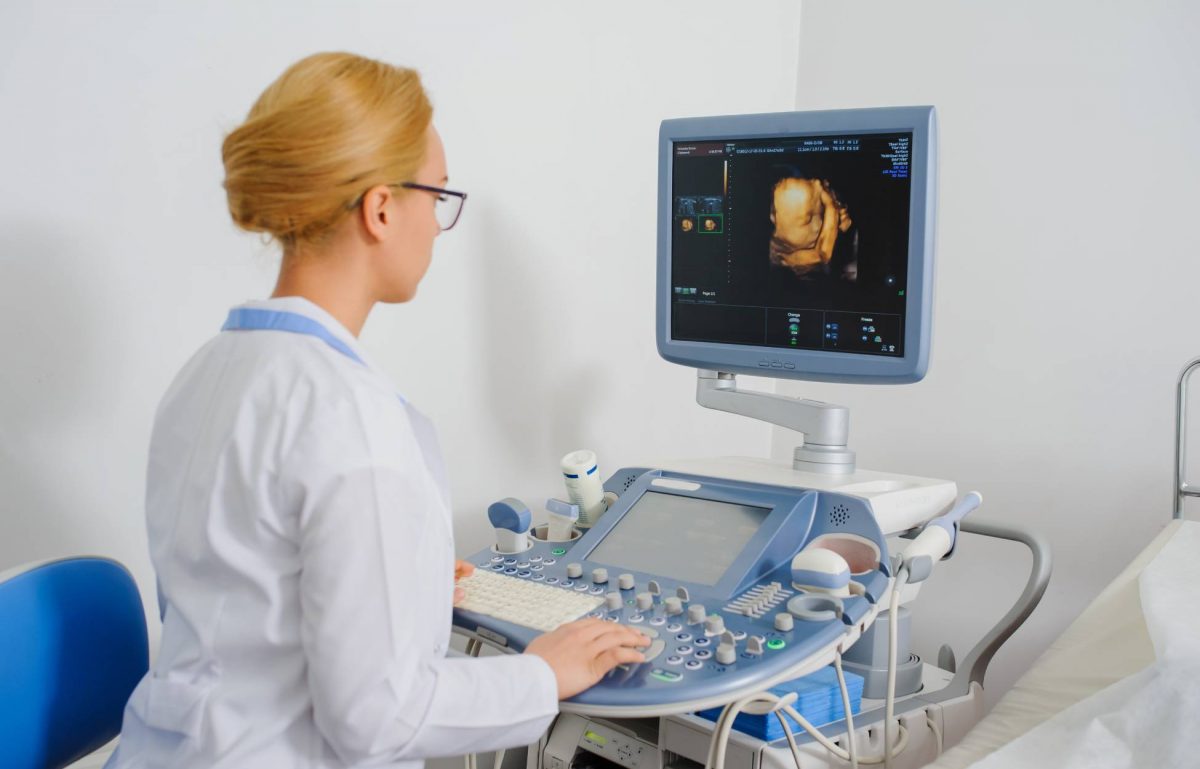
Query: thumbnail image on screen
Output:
(794,242)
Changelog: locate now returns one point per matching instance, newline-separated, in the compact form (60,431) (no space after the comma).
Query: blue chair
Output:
(72,648)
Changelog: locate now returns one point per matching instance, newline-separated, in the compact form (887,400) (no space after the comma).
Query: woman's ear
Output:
(376,216)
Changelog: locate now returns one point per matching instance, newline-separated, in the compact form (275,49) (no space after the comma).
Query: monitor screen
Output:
(693,540)
(793,242)
(798,244)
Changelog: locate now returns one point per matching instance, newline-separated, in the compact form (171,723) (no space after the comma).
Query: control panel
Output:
(720,574)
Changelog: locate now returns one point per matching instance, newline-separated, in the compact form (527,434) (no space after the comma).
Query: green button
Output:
(667,676)
(559,551)
(776,643)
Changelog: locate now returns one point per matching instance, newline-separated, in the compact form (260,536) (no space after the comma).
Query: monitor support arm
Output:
(826,426)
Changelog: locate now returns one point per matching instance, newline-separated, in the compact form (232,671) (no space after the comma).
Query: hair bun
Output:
(330,127)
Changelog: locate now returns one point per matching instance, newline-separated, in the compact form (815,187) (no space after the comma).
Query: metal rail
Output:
(1183,489)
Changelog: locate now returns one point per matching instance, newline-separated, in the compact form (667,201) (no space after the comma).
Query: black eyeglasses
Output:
(447,209)
(449,203)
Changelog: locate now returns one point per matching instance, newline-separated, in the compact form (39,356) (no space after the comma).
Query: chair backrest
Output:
(72,648)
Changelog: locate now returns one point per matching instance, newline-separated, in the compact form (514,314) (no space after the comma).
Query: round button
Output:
(702,641)
(673,605)
(636,618)
(510,570)
(599,576)
(625,581)
(524,573)
(739,635)
(581,588)
(551,580)
(523,564)
(657,620)
(597,590)
(567,583)
(510,561)
(497,559)
(674,627)
(536,567)
(535,559)
(549,562)
(497,567)
(693,664)
(674,659)
(559,551)
(574,570)
(538,577)
(776,643)
(703,654)
(683,637)
(685,650)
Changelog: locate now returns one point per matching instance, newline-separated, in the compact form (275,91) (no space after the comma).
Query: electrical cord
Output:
(937,733)
(889,709)
(850,738)
(474,646)
(766,702)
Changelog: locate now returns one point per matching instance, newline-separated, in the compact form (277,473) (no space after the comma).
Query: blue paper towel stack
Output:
(818,699)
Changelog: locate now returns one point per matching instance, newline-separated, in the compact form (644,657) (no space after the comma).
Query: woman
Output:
(297,509)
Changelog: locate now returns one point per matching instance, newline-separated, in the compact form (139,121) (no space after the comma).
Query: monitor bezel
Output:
(813,365)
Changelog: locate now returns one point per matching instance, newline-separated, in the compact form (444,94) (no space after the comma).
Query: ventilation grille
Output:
(839,515)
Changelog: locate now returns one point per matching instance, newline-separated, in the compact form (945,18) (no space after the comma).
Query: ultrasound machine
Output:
(799,246)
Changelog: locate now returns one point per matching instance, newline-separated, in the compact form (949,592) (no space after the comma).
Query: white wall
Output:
(533,333)
(1066,278)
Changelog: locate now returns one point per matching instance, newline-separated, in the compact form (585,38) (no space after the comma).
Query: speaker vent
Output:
(839,515)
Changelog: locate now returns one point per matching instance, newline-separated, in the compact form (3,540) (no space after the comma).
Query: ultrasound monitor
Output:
(798,244)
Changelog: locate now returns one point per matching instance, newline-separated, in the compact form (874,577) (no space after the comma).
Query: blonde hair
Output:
(331,127)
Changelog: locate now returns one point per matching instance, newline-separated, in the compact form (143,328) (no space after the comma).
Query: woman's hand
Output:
(580,653)
(461,569)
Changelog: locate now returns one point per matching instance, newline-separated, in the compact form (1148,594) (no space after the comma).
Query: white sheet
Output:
(1106,644)
(1148,719)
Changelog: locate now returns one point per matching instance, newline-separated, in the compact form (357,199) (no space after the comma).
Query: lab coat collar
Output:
(312,311)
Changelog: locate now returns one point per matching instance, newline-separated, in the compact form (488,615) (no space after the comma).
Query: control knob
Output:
(726,654)
(613,601)
(599,576)
(696,613)
(645,601)
(714,625)
(574,570)
(784,622)
(673,605)
(625,581)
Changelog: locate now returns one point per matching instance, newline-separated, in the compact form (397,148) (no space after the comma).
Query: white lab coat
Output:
(301,534)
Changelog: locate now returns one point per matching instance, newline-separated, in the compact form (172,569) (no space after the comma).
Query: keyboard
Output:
(524,603)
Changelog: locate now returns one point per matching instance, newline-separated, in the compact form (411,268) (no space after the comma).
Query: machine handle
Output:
(974,667)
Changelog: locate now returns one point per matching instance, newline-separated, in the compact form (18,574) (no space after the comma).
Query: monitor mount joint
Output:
(826,426)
